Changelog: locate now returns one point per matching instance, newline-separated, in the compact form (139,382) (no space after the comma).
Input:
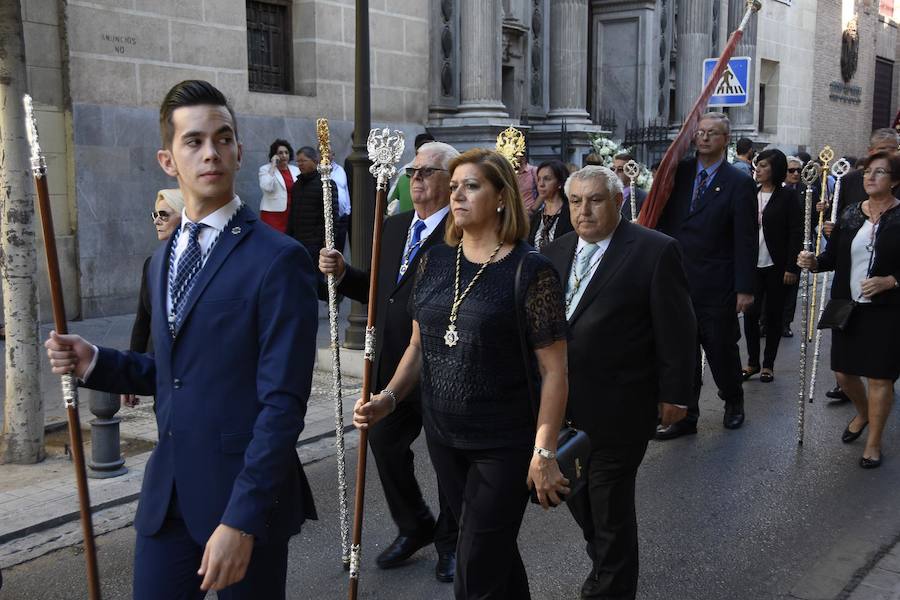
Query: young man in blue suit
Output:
(234,317)
(712,212)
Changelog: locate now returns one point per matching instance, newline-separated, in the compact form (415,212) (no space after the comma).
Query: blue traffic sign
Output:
(733,87)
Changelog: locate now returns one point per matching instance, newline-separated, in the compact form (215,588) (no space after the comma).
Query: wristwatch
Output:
(544,453)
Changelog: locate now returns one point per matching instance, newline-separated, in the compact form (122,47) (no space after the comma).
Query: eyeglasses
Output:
(707,133)
(425,172)
(879,172)
(794,170)
(162,215)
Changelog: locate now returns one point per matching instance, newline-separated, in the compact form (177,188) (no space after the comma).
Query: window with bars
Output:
(269,46)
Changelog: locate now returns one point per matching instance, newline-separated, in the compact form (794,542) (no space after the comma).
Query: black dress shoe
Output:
(734,415)
(400,550)
(446,567)
(837,395)
(749,372)
(787,332)
(767,377)
(676,429)
(870,463)
(851,436)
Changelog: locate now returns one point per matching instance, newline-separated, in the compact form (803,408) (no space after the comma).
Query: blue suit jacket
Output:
(720,238)
(231,389)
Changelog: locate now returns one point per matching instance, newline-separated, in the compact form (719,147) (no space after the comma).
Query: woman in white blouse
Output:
(276,178)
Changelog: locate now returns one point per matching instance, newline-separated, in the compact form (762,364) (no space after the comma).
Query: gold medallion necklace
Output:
(451,337)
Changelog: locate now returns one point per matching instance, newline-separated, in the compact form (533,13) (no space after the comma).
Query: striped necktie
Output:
(702,180)
(189,264)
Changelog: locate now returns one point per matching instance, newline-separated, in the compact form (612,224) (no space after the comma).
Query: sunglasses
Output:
(794,170)
(162,215)
(425,172)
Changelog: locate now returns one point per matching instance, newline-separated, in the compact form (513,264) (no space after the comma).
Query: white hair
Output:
(794,159)
(593,173)
(444,152)
(718,116)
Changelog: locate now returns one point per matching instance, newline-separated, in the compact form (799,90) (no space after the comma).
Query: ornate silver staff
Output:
(838,169)
(385,149)
(632,170)
(826,156)
(69,385)
(810,175)
(325,173)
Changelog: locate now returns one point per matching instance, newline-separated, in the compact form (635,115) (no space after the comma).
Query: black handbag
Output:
(573,446)
(837,314)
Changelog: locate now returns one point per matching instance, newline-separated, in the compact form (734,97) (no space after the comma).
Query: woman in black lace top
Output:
(465,354)
(864,253)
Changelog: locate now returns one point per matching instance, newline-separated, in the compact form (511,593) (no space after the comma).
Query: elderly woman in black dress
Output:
(551,219)
(864,253)
(465,354)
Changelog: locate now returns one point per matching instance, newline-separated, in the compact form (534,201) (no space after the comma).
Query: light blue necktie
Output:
(577,283)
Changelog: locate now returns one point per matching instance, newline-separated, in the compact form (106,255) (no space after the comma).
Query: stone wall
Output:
(124,55)
(843,124)
(785,41)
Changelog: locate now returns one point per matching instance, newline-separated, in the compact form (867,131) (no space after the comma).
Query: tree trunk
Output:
(22,437)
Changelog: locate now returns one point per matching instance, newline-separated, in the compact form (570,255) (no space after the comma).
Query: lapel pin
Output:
(237,230)
(718,189)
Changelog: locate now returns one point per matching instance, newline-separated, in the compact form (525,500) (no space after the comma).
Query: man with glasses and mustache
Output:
(407,236)
(712,212)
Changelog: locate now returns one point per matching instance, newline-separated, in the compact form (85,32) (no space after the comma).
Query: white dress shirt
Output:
(602,246)
(765,259)
(339,177)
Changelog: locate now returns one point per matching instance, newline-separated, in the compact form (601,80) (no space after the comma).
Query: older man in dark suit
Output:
(406,237)
(631,350)
(712,213)
(619,162)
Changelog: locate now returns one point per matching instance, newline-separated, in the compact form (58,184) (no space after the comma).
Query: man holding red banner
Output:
(712,213)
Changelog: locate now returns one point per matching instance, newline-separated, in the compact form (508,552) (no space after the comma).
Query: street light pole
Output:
(363,192)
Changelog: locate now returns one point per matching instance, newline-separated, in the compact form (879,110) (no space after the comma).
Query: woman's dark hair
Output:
(273,149)
(309,152)
(560,171)
(893,160)
(193,92)
(777,163)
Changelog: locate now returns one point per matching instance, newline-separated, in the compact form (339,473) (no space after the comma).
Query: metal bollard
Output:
(106,460)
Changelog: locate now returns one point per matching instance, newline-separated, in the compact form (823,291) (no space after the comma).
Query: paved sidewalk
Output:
(38,498)
(882,582)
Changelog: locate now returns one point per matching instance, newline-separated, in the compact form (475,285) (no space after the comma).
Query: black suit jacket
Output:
(632,338)
(720,237)
(782,224)
(392,321)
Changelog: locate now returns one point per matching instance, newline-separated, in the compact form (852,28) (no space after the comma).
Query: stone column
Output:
(694,36)
(480,52)
(568,61)
(742,116)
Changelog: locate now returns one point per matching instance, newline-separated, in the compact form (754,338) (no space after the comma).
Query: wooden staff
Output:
(838,170)
(325,173)
(826,156)
(810,176)
(385,149)
(69,385)
(632,169)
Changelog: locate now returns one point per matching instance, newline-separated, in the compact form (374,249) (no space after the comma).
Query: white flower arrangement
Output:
(732,152)
(607,149)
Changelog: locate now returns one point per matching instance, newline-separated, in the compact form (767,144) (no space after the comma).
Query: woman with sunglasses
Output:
(166,215)
(864,253)
(780,238)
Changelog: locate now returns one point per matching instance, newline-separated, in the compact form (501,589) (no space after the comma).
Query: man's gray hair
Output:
(593,173)
(884,134)
(444,152)
(718,116)
(794,159)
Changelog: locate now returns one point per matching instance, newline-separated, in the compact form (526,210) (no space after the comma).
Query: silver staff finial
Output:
(385,149)
(38,166)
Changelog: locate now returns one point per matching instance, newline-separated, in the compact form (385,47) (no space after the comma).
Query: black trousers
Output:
(390,440)
(768,294)
(165,566)
(606,514)
(718,333)
(790,304)
(487,492)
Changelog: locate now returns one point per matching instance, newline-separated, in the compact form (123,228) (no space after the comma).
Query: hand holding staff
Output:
(826,156)
(325,172)
(69,385)
(385,149)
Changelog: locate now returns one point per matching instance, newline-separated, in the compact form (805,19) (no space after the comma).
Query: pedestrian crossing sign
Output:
(733,87)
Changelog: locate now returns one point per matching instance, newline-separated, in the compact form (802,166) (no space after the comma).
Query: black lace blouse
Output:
(475,394)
